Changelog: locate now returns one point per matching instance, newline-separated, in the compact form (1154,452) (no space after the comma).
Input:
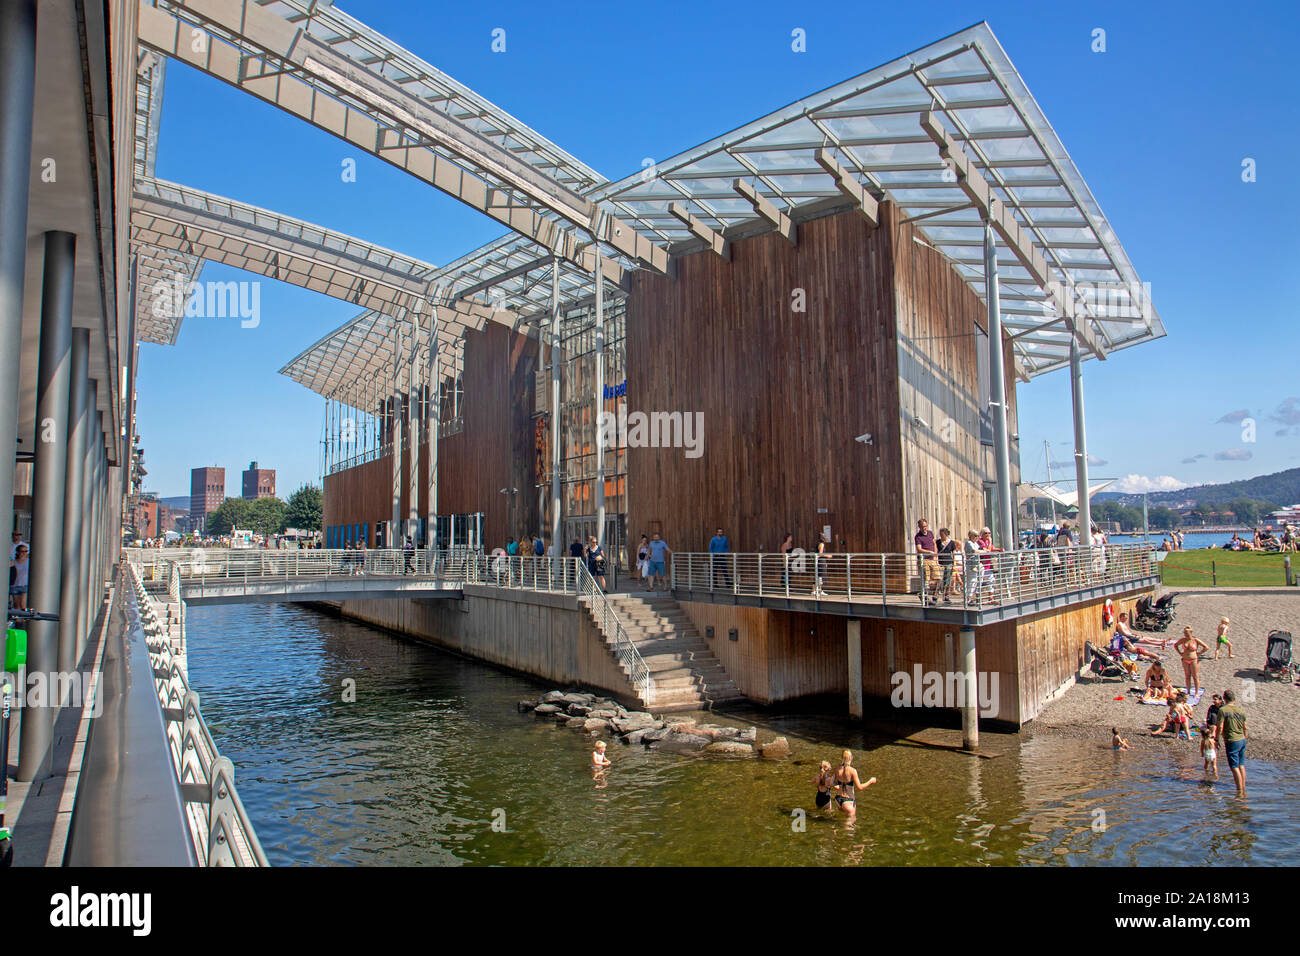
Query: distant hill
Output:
(1281,488)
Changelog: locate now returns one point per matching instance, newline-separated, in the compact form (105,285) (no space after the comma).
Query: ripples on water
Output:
(413,771)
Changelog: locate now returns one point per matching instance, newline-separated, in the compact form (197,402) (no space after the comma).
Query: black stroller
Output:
(1279,663)
(1102,664)
(1154,617)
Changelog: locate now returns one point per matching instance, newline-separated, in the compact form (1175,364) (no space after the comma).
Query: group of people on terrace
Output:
(1265,541)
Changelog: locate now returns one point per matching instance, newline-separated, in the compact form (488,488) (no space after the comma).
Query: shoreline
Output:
(1088,710)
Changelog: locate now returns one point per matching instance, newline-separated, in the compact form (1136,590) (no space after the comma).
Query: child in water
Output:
(1116,741)
(1210,751)
(824,780)
(599,762)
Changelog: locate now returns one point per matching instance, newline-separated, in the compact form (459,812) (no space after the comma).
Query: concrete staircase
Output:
(686,675)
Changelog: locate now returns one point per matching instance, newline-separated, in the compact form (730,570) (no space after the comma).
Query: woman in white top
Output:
(18,578)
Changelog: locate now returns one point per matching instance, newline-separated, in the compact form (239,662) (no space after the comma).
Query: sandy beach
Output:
(1089,709)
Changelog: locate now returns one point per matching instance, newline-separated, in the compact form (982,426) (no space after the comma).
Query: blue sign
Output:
(616,391)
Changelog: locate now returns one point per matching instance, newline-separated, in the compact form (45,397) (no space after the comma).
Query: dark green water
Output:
(432,750)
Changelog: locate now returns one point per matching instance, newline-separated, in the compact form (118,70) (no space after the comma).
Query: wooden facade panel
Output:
(494,451)
(944,462)
(1051,648)
(782,393)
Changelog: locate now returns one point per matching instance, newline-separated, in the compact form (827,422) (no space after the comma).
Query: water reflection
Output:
(431,764)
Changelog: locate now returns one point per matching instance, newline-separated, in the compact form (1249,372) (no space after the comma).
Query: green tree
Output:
(304,507)
(231,513)
(266,516)
(1164,518)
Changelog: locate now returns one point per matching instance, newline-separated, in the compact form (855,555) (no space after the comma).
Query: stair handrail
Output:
(610,625)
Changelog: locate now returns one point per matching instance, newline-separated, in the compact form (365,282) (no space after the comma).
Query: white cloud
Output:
(1136,484)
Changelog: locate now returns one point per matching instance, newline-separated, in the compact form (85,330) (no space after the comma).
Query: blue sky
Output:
(1159,125)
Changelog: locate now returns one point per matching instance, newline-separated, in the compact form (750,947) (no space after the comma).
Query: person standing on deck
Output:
(643,560)
(929,552)
(408,555)
(18,571)
(719,546)
(659,552)
(947,548)
(787,546)
(596,561)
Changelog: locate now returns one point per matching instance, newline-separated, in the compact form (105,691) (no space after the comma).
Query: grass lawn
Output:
(1235,569)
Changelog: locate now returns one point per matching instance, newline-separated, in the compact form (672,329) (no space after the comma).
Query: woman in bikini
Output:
(1190,648)
(848,783)
(1157,682)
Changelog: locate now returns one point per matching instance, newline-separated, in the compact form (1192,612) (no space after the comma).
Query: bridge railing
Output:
(235,563)
(610,625)
(984,580)
(220,827)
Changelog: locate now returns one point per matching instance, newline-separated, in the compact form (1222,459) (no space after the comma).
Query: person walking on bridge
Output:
(659,552)
(719,547)
(408,553)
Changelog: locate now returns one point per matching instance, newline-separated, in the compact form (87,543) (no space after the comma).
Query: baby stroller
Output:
(1166,603)
(1279,663)
(1150,617)
(1102,664)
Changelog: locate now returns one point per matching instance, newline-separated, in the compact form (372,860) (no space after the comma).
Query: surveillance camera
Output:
(918,420)
(865,439)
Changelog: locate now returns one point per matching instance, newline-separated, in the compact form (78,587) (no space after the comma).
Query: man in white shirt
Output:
(13,548)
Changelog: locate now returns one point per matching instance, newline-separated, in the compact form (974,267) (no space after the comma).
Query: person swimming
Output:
(848,783)
(824,780)
(599,762)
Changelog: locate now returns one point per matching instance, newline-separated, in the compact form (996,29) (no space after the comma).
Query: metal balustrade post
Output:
(848,576)
(884,587)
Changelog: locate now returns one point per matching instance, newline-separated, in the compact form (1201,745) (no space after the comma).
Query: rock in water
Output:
(636,737)
(730,748)
(625,725)
(596,723)
(681,743)
(650,736)
(776,749)
(545,710)
(748,736)
(579,710)
(551,696)
(526,705)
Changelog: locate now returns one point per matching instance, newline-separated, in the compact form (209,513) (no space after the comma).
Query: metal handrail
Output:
(220,827)
(610,625)
(985,580)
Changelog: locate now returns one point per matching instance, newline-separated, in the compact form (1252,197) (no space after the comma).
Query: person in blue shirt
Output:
(539,546)
(659,551)
(718,547)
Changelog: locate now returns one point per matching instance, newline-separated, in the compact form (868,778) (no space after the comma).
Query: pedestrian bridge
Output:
(200,576)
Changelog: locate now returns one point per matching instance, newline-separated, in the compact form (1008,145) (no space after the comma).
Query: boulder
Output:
(639,715)
(681,743)
(552,696)
(705,730)
(679,725)
(636,737)
(728,733)
(603,713)
(526,705)
(748,735)
(776,749)
(596,723)
(579,710)
(625,725)
(545,710)
(650,736)
(568,700)
(579,722)
(730,748)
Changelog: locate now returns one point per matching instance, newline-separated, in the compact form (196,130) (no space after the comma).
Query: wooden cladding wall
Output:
(944,463)
(494,451)
(782,393)
(1051,648)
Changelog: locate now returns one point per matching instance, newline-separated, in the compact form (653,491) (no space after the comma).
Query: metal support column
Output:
(83,558)
(413,425)
(432,422)
(555,407)
(1080,443)
(998,402)
(600,398)
(71,598)
(17,90)
(54,372)
(970,707)
(394,538)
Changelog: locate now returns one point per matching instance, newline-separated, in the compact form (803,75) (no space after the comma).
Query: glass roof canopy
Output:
(871,124)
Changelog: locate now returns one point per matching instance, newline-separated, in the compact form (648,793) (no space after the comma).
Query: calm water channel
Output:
(413,771)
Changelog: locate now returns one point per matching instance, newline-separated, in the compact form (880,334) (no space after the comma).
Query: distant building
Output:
(144,516)
(259,482)
(207,491)
(1290,515)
